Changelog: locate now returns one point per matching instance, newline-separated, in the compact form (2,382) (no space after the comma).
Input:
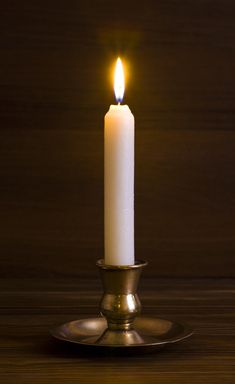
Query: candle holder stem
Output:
(120,303)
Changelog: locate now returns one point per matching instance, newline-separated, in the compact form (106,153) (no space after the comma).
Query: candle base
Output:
(121,328)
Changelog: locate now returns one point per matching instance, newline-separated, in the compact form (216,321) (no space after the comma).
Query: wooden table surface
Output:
(29,355)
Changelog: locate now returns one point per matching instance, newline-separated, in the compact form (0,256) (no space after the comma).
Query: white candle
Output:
(119,179)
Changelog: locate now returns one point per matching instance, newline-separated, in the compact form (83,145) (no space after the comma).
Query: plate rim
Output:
(187,332)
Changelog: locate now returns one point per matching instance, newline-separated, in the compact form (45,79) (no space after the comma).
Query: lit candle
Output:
(119,178)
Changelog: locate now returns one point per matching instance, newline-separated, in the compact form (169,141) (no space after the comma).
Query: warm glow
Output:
(119,81)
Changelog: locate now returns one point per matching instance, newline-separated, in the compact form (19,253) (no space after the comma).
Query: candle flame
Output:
(119,81)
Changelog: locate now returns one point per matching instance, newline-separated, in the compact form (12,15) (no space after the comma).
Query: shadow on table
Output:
(59,348)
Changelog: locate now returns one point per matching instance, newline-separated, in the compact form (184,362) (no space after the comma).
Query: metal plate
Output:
(149,334)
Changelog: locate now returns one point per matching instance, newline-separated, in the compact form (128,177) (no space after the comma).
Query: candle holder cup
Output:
(120,327)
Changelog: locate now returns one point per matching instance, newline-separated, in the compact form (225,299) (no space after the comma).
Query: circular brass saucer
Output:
(149,334)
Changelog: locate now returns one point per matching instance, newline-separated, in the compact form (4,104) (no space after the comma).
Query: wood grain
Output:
(184,213)
(54,91)
(27,354)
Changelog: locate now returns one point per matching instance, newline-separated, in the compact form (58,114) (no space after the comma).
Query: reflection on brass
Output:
(120,303)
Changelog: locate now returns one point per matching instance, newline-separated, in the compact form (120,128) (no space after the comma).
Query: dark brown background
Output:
(54,91)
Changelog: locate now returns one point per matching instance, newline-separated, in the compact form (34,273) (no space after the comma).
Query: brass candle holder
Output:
(120,327)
